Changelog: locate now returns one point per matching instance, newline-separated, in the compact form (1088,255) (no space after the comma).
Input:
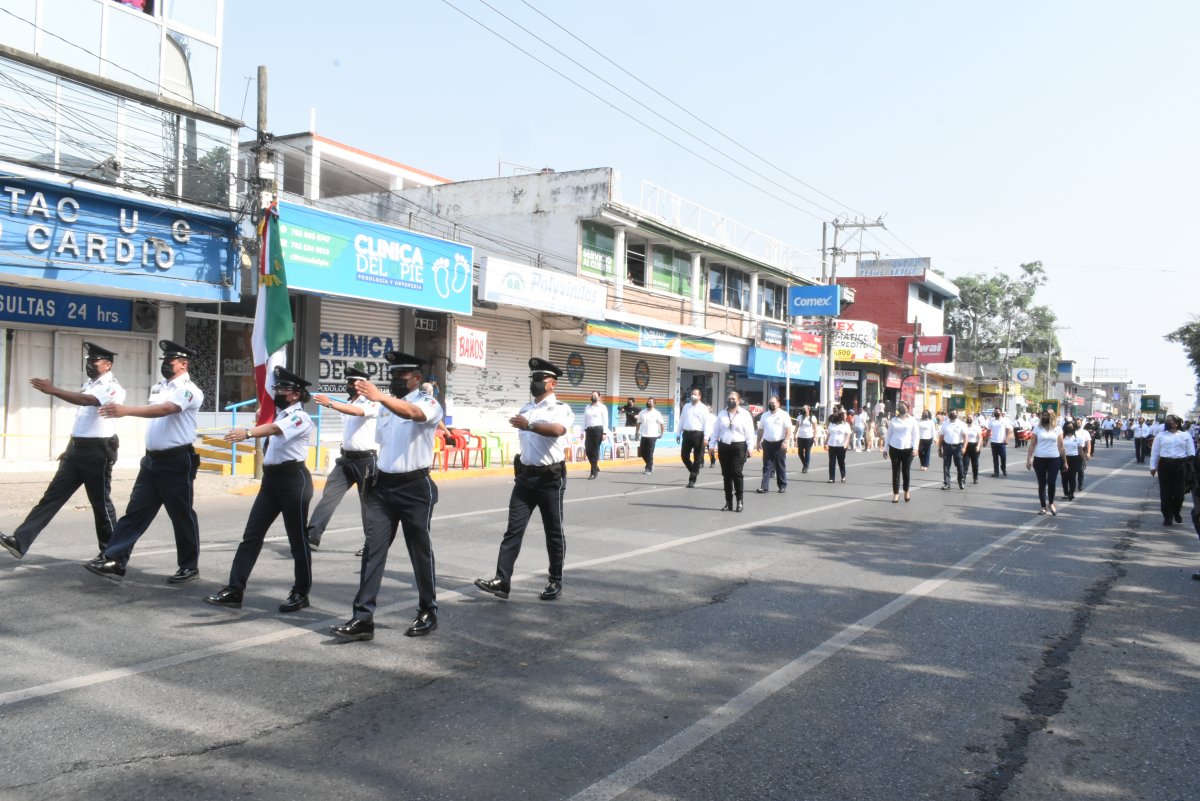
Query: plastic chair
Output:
(451,451)
(475,444)
(495,449)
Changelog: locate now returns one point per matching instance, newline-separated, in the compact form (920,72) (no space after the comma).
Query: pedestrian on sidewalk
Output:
(541,481)
(691,424)
(88,459)
(1047,456)
(774,433)
(595,429)
(286,490)
(733,428)
(650,426)
(1171,458)
(402,498)
(926,430)
(167,471)
(358,465)
(902,437)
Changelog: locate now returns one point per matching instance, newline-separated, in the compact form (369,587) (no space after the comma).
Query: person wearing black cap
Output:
(541,481)
(166,473)
(286,490)
(403,496)
(88,459)
(358,465)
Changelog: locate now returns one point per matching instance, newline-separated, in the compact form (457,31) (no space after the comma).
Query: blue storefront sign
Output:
(332,254)
(90,239)
(776,364)
(814,301)
(61,310)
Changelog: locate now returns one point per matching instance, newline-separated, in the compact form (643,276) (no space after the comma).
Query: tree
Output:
(995,311)
(1188,335)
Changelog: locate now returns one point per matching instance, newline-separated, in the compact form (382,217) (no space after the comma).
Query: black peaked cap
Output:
(173,350)
(286,378)
(402,361)
(542,368)
(95,351)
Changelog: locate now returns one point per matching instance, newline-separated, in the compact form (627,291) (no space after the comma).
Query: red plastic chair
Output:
(450,451)
(469,444)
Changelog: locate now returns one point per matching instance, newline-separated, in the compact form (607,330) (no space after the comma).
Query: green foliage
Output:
(996,311)
(1188,335)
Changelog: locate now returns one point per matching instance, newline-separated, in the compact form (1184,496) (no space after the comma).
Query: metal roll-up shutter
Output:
(352,331)
(586,372)
(646,376)
(483,398)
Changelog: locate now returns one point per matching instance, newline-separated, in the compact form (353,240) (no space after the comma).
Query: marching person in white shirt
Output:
(88,459)
(774,433)
(595,429)
(690,425)
(1088,446)
(974,442)
(1047,456)
(926,432)
(1075,448)
(903,433)
(838,437)
(1106,429)
(733,428)
(952,444)
(806,432)
(999,429)
(1141,430)
(650,425)
(1171,455)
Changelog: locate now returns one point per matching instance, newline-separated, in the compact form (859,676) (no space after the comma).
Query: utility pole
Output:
(833,253)
(916,346)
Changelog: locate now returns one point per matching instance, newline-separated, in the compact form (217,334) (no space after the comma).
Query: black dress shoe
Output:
(552,591)
(495,586)
(313,542)
(691,482)
(761,491)
(591,476)
(738,508)
(10,544)
(228,597)
(354,629)
(184,574)
(1178,518)
(783,489)
(361,551)
(728,507)
(109,568)
(426,622)
(294,602)
(945,486)
(1196,576)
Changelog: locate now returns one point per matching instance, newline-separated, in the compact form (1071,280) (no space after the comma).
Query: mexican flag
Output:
(273,328)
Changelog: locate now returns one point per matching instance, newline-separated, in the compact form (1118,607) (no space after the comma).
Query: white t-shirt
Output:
(925,428)
(839,435)
(1047,442)
(998,430)
(806,427)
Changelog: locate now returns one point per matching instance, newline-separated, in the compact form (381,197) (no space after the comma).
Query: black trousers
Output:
(403,501)
(1072,477)
(999,458)
(87,462)
(543,491)
(1170,487)
(692,451)
(1108,438)
(837,458)
(901,467)
(952,454)
(924,446)
(646,450)
(971,457)
(1140,451)
(162,481)
(732,457)
(286,490)
(774,461)
(1047,469)
(346,473)
(592,437)
(804,447)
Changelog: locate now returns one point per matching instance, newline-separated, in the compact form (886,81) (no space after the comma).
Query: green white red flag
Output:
(273,328)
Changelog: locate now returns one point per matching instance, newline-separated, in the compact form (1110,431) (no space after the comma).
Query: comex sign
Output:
(814,301)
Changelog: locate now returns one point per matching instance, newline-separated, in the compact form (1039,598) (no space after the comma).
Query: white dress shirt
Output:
(1171,445)
(406,445)
(903,433)
(291,443)
(595,415)
(650,423)
(775,425)
(359,432)
(692,417)
(838,435)
(88,422)
(953,432)
(176,429)
(925,428)
(806,427)
(738,427)
(538,450)
(998,430)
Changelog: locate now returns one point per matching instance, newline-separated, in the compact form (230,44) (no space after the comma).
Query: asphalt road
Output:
(824,644)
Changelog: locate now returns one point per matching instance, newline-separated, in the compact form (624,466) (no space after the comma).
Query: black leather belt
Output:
(392,479)
(168,452)
(541,469)
(291,465)
(356,455)
(97,442)
(594,428)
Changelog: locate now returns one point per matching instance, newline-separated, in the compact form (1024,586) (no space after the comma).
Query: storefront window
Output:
(672,271)
(202,340)
(597,248)
(716,285)
(224,364)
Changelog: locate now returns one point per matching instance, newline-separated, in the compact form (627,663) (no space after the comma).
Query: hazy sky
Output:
(987,134)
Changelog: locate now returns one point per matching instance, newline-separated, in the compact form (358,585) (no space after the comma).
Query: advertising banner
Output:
(470,346)
(92,239)
(776,364)
(930,350)
(806,343)
(64,311)
(877,268)
(1151,403)
(548,290)
(332,254)
(1025,376)
(648,340)
(855,341)
(814,301)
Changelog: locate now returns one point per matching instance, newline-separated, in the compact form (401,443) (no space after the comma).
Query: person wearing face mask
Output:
(952,444)
(806,432)
(774,432)
(357,466)
(403,496)
(650,426)
(999,430)
(974,441)
(540,481)
(286,490)
(691,425)
(595,429)
(1172,457)
(166,473)
(1076,451)
(902,438)
(733,428)
(89,456)
(926,430)
(1047,457)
